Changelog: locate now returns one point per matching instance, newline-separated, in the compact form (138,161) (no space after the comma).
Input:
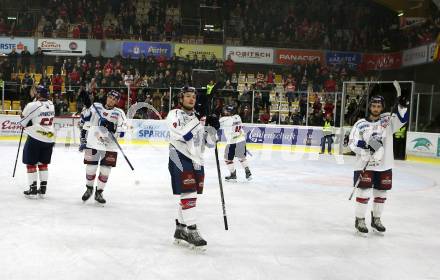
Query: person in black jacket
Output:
(25,60)
(39,61)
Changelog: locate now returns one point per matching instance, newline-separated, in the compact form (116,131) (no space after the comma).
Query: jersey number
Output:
(237,128)
(46,121)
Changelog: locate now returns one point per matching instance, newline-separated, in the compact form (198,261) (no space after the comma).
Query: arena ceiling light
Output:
(400,14)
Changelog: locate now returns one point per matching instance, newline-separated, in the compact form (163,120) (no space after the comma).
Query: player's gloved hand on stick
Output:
(403,101)
(111,127)
(374,144)
(213,121)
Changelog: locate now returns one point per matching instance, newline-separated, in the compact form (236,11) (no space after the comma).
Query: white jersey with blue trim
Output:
(39,116)
(233,129)
(188,135)
(98,137)
(383,130)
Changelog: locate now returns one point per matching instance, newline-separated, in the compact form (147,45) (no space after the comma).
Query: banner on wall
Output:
(62,47)
(137,49)
(152,130)
(415,56)
(182,50)
(8,43)
(353,59)
(431,52)
(286,56)
(382,61)
(251,55)
(423,144)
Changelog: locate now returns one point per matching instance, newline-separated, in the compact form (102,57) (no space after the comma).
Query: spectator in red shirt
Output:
(270,77)
(265,117)
(98,32)
(329,107)
(98,66)
(57,82)
(330,84)
(317,105)
(108,68)
(76,32)
(229,67)
(74,77)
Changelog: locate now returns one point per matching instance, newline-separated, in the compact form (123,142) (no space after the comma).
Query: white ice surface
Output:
(293,221)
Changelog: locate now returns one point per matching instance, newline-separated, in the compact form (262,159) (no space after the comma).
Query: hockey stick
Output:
(399,92)
(18,151)
(114,139)
(225,218)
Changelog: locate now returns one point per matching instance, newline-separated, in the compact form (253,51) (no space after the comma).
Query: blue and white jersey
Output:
(188,134)
(40,114)
(232,129)
(98,137)
(383,130)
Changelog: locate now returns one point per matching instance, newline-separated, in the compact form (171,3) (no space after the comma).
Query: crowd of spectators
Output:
(339,25)
(152,77)
(153,21)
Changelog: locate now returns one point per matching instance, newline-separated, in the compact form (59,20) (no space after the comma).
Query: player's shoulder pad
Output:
(361,123)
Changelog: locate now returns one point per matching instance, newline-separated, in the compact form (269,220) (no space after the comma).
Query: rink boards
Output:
(424,147)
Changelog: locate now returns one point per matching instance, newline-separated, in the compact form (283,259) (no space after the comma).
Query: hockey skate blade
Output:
(378,232)
(180,242)
(99,204)
(200,249)
(32,196)
(231,180)
(249,179)
(41,196)
(361,234)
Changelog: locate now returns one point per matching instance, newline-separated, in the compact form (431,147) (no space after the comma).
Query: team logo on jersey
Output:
(386,181)
(422,144)
(44,133)
(189,181)
(366,179)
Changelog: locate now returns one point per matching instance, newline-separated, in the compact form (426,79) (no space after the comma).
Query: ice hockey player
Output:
(188,138)
(232,127)
(101,150)
(372,141)
(37,120)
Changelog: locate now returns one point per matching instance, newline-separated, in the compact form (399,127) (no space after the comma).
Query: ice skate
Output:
(195,239)
(42,190)
(232,177)
(361,227)
(248,174)
(87,194)
(376,224)
(180,235)
(32,192)
(98,197)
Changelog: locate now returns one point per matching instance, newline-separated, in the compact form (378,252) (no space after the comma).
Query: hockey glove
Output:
(84,95)
(403,101)
(213,121)
(111,127)
(374,144)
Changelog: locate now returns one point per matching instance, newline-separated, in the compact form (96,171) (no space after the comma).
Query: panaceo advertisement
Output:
(287,56)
